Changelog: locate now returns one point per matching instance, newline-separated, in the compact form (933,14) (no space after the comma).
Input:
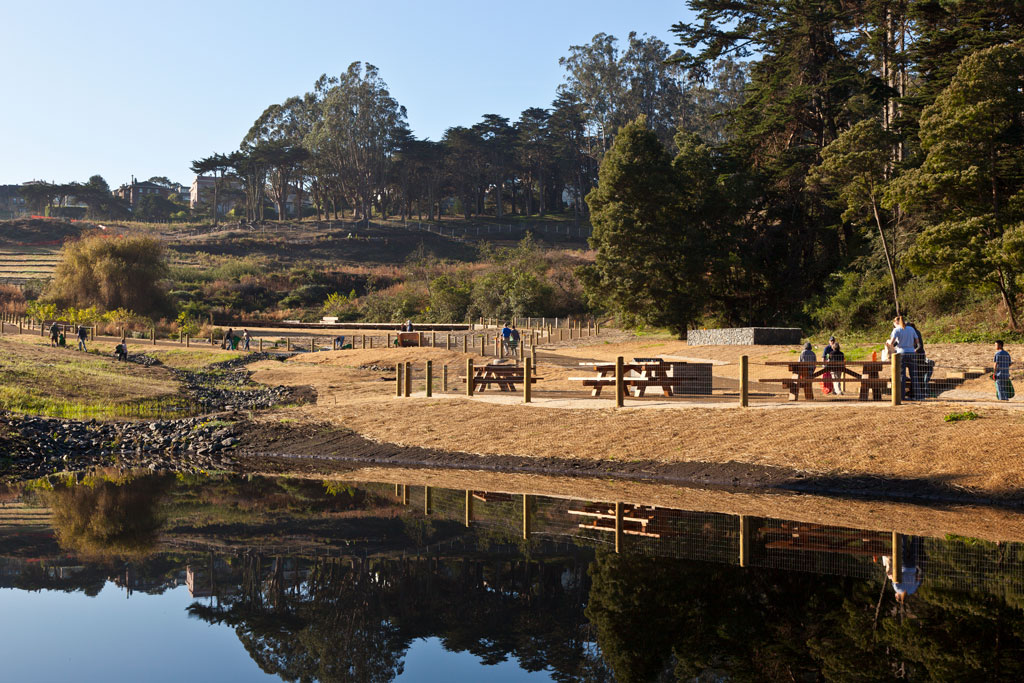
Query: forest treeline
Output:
(874,167)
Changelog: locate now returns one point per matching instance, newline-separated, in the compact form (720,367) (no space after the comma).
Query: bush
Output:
(123,272)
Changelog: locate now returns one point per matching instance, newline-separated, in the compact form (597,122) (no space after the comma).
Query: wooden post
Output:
(92,332)
(483,340)
(465,344)
(469,507)
(744,540)
(527,515)
(744,382)
(405,494)
(897,371)
(521,348)
(399,383)
(533,355)
(561,333)
(597,328)
(426,500)
(408,379)
(620,383)
(469,377)
(897,556)
(448,342)
(287,343)
(444,378)
(496,348)
(433,339)
(261,344)
(154,335)
(618,527)
(430,378)
(527,381)
(389,340)
(186,341)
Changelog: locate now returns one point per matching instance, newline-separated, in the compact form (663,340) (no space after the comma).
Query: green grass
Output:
(962,416)
(189,359)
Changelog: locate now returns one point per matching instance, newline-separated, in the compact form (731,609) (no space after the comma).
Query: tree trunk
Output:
(888,257)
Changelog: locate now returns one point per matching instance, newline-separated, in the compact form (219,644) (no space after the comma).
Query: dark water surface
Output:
(111,577)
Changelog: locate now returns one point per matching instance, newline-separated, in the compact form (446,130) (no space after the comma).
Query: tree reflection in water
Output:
(109,516)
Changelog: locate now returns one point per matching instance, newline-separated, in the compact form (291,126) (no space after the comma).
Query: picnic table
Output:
(805,373)
(636,520)
(409,339)
(506,376)
(673,377)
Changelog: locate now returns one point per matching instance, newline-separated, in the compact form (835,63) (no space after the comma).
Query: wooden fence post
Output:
(287,343)
(496,349)
(483,340)
(469,507)
(408,379)
(620,383)
(744,382)
(533,355)
(430,378)
(433,339)
(426,500)
(897,375)
(448,342)
(897,557)
(444,378)
(92,332)
(744,540)
(618,527)
(527,381)
(469,377)
(399,383)
(465,344)
(261,344)
(527,515)
(389,340)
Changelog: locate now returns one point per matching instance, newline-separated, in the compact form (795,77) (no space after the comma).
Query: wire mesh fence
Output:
(519,520)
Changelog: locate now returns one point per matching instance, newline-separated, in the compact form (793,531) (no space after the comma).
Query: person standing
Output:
(54,333)
(83,334)
(228,336)
(506,337)
(245,340)
(904,341)
(1002,362)
(513,340)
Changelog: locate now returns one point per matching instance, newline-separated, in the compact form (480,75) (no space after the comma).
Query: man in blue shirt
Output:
(904,341)
(506,337)
(1002,361)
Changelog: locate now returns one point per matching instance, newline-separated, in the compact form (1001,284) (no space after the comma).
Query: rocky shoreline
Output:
(223,394)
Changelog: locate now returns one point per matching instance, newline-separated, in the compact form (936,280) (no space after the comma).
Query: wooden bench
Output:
(673,377)
(806,374)
(505,376)
(634,522)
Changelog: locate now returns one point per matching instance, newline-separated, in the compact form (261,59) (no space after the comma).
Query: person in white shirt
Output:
(903,340)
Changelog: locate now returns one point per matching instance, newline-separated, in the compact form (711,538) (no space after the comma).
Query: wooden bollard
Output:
(527,515)
(744,382)
(897,372)
(469,377)
(261,344)
(430,378)
(399,374)
(389,340)
(744,540)
(527,381)
(408,379)
(444,378)
(533,355)
(620,383)
(496,347)
(287,343)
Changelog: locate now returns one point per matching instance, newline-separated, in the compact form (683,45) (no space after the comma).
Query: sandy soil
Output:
(828,441)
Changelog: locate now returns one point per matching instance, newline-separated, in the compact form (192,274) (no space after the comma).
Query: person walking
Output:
(1002,362)
(245,340)
(513,340)
(904,342)
(228,336)
(506,337)
(54,333)
(83,334)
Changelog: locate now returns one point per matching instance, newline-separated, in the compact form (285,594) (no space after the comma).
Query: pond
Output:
(133,576)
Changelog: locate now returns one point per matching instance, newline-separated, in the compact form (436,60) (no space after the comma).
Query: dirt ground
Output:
(828,442)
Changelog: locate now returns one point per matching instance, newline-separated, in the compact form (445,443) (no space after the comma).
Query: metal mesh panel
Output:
(817,548)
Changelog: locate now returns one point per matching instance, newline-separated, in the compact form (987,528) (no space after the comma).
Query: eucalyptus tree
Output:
(356,133)
(282,130)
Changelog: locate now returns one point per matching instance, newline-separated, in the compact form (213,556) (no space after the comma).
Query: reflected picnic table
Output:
(806,372)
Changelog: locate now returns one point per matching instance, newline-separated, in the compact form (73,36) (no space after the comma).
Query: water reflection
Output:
(331,582)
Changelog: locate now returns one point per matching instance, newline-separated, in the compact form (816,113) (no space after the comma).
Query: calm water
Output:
(234,579)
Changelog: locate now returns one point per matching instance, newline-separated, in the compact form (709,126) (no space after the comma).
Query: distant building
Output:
(12,204)
(135,190)
(201,193)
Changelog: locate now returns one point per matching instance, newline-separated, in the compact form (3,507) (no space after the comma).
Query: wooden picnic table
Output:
(646,372)
(805,373)
(506,376)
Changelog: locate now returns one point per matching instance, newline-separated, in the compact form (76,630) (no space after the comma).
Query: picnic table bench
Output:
(635,520)
(673,377)
(505,376)
(806,373)
(409,339)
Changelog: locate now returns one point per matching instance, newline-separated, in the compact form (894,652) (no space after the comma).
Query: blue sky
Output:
(122,88)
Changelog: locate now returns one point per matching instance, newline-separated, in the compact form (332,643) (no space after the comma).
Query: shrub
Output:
(12,299)
(110,273)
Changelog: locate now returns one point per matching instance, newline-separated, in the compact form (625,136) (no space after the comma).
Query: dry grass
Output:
(910,442)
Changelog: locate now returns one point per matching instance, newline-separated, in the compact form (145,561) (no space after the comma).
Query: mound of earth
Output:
(41,231)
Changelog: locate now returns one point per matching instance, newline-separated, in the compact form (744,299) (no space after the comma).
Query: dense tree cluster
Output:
(873,166)
(346,144)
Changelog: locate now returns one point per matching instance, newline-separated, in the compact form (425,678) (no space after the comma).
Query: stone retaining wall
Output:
(744,336)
